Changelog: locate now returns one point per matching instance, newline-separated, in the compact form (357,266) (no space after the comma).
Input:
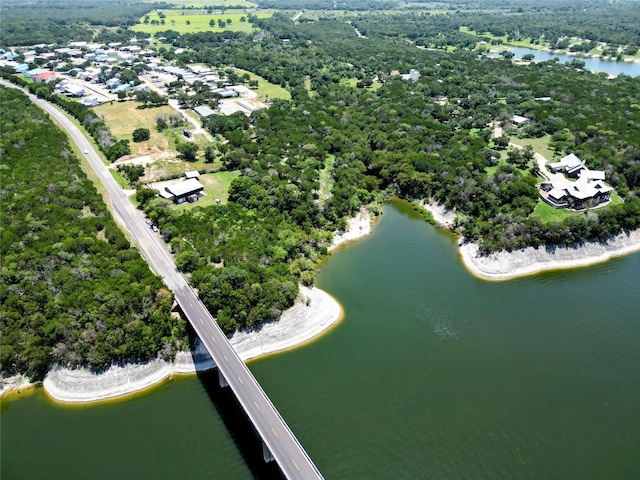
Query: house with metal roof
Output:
(570,165)
(588,191)
(189,190)
(203,111)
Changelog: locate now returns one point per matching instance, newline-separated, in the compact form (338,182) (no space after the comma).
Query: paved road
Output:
(285,448)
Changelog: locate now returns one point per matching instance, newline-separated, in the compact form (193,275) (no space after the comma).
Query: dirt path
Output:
(197,127)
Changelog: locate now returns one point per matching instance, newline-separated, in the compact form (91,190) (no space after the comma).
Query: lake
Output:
(611,67)
(432,373)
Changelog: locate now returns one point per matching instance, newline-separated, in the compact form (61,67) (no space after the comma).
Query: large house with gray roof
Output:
(587,191)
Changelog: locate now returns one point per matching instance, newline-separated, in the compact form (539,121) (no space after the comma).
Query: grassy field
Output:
(123,118)
(193,21)
(326,180)
(265,88)
(540,145)
(216,187)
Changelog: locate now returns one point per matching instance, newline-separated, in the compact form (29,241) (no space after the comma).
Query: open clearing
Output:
(193,21)
(265,88)
(189,3)
(123,118)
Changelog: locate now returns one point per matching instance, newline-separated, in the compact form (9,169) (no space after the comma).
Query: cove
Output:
(432,373)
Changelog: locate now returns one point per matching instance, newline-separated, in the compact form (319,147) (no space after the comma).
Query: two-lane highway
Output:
(284,446)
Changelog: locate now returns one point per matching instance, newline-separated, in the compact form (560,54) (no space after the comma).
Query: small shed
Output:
(192,174)
(519,120)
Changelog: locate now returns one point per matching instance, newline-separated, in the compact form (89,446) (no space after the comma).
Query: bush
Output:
(141,134)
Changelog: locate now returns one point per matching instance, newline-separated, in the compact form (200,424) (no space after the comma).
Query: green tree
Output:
(141,135)
(210,154)
(187,151)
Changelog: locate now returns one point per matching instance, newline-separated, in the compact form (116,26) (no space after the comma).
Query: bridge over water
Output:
(279,442)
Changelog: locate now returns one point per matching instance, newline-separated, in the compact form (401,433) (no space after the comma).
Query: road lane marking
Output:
(294,462)
(256,404)
(274,432)
(201,321)
(213,338)
(225,358)
(240,378)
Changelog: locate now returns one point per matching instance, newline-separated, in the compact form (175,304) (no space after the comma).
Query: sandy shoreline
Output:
(314,312)
(357,227)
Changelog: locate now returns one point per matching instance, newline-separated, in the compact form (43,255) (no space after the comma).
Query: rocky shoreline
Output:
(314,312)
(530,260)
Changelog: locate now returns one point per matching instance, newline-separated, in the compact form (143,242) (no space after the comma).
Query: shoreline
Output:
(314,313)
(357,227)
(529,261)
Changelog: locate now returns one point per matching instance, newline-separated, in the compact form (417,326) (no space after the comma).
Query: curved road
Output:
(284,446)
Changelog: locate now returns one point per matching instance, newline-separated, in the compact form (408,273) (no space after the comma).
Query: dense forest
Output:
(72,289)
(354,133)
(423,140)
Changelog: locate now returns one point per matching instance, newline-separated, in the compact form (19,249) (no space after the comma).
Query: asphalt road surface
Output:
(285,448)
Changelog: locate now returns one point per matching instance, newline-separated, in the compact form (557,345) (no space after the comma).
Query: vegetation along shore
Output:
(248,137)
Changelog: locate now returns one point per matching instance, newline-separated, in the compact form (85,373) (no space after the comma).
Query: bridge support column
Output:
(266,453)
(221,380)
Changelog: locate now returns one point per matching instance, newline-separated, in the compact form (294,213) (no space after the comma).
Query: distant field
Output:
(212,3)
(193,21)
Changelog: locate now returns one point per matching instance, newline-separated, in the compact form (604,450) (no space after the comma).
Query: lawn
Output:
(193,21)
(216,187)
(540,145)
(265,88)
(546,213)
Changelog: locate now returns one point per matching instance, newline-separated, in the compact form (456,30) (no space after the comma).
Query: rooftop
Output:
(185,188)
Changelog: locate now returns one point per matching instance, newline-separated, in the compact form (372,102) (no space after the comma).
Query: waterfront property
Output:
(588,191)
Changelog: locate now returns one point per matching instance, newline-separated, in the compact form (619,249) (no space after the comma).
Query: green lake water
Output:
(432,374)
